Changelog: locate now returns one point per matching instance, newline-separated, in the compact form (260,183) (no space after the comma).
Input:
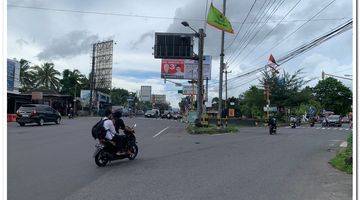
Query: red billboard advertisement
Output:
(172,68)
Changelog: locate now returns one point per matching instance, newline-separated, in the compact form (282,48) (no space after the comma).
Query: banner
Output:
(218,20)
(184,68)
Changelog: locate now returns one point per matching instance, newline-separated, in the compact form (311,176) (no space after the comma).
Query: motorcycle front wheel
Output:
(134,150)
(101,159)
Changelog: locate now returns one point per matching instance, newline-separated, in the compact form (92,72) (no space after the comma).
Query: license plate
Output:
(25,115)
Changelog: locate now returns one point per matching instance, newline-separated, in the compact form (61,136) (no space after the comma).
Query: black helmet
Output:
(117,113)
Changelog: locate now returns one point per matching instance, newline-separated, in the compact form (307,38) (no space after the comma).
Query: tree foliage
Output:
(47,77)
(333,95)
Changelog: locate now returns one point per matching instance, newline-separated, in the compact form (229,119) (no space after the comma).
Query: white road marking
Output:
(346,129)
(340,128)
(318,128)
(328,128)
(160,132)
(323,128)
(335,128)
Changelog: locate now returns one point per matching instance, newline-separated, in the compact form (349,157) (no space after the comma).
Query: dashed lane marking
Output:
(157,134)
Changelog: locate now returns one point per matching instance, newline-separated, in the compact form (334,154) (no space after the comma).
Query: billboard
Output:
(145,93)
(184,68)
(174,45)
(103,61)
(85,98)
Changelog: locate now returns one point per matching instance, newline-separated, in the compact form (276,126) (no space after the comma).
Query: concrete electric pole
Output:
(221,71)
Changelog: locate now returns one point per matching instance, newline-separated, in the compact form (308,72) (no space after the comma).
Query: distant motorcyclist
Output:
(272,125)
(293,121)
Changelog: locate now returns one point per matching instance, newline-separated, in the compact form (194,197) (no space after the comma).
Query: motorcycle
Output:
(106,150)
(272,129)
(293,125)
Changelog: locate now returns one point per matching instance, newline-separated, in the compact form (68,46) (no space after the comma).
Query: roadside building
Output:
(13,76)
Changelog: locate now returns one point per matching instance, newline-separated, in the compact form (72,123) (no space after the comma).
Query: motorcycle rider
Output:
(272,123)
(111,133)
(119,124)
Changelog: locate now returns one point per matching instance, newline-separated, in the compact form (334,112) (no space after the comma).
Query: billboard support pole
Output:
(92,84)
(199,96)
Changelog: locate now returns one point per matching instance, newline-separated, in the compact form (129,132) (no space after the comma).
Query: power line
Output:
(292,33)
(150,16)
(305,47)
(258,31)
(257,18)
(247,15)
(295,5)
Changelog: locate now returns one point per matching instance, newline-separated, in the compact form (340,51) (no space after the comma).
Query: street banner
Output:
(218,20)
(192,115)
(85,98)
(184,68)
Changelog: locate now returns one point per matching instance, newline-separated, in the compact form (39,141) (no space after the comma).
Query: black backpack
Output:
(98,131)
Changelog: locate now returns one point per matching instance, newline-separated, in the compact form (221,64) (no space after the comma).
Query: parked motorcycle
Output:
(106,150)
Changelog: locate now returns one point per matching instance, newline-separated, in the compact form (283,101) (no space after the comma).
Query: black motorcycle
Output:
(106,150)
(272,129)
(293,125)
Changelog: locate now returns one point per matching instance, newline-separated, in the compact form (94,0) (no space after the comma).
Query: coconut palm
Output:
(26,75)
(46,77)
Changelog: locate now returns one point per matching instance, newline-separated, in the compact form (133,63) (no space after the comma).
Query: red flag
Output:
(272,63)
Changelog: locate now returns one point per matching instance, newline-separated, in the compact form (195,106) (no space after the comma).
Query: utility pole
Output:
(221,70)
(267,99)
(200,94)
(92,79)
(226,93)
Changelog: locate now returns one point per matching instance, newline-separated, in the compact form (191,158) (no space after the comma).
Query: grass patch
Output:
(211,129)
(343,159)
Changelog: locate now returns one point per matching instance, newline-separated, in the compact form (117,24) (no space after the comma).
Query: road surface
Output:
(55,162)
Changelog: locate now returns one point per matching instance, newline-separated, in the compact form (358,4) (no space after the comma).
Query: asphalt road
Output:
(55,162)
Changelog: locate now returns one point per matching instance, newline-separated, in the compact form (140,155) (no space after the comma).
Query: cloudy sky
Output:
(65,38)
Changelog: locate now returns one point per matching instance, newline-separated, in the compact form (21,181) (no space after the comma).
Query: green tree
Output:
(73,82)
(333,95)
(252,102)
(119,96)
(46,77)
(27,76)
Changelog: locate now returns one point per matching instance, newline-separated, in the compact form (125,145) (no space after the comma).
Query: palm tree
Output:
(26,75)
(46,77)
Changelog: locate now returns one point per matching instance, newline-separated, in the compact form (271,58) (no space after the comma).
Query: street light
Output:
(199,96)
(186,24)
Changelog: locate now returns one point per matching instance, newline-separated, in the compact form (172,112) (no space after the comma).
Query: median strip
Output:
(160,132)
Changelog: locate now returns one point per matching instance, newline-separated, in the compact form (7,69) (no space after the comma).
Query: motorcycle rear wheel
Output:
(101,159)
(134,149)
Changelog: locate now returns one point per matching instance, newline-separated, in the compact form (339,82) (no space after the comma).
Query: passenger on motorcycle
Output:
(119,124)
(111,133)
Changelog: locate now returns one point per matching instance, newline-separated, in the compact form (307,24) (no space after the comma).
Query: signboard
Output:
(36,96)
(174,45)
(270,109)
(231,112)
(184,68)
(189,90)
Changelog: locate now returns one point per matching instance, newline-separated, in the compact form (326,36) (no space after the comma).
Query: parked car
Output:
(345,119)
(154,113)
(37,113)
(140,112)
(332,120)
(177,116)
(167,114)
